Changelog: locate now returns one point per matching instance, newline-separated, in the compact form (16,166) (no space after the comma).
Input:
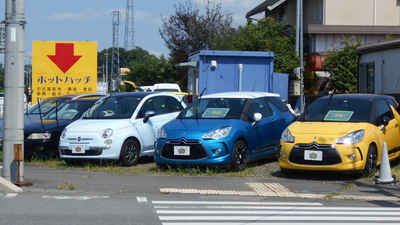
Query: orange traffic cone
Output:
(385,174)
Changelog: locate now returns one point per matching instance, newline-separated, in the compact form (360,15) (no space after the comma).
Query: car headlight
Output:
(39,136)
(287,136)
(351,138)
(107,133)
(218,133)
(161,133)
(63,133)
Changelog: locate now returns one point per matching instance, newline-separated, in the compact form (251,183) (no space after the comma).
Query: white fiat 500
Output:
(120,127)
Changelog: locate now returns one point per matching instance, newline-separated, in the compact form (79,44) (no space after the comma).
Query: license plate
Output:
(78,149)
(313,155)
(181,150)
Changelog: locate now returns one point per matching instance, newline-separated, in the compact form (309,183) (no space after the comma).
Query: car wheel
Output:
(239,157)
(129,155)
(370,164)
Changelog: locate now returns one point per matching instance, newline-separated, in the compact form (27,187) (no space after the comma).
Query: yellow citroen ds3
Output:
(342,133)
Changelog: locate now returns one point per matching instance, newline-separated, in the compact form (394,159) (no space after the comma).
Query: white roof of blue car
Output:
(241,94)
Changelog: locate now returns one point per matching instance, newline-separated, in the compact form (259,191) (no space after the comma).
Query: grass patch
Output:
(265,168)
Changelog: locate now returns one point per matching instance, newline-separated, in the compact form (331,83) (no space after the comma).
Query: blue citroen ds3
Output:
(226,129)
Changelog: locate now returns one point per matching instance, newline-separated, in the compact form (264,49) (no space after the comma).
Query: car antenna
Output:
(254,86)
(57,112)
(40,114)
(201,94)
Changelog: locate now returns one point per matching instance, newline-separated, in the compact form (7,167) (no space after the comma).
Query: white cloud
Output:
(240,7)
(87,14)
(156,53)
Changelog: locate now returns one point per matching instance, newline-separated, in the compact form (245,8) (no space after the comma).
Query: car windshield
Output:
(113,108)
(338,110)
(215,108)
(45,106)
(71,110)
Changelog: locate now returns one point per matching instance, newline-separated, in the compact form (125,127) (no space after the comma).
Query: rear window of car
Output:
(278,103)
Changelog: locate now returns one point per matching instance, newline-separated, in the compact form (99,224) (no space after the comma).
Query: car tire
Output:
(239,156)
(370,164)
(129,155)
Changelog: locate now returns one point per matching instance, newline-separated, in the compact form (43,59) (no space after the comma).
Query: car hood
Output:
(325,128)
(27,119)
(90,125)
(202,125)
(46,126)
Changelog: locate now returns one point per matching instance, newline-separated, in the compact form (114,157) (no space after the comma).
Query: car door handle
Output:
(273,120)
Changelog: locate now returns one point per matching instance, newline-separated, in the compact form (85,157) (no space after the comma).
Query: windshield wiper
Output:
(327,106)
(201,94)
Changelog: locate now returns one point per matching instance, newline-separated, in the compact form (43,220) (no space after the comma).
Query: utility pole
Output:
(299,49)
(302,102)
(13,87)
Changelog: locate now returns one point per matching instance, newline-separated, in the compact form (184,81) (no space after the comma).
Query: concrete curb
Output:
(8,187)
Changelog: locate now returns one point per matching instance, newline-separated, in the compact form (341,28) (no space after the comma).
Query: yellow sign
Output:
(60,68)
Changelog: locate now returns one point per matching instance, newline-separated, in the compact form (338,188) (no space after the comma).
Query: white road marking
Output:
(88,197)
(11,195)
(278,213)
(141,199)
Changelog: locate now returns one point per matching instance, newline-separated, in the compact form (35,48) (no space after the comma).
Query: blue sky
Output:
(82,20)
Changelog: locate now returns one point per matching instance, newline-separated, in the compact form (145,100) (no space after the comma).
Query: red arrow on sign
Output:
(64,57)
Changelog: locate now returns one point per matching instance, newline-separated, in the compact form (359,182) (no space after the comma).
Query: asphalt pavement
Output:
(43,179)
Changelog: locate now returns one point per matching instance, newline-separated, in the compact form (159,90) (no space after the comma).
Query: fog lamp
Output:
(108,142)
(352,156)
(282,154)
(217,151)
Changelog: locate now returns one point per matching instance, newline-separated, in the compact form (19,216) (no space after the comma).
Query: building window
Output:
(320,8)
(366,78)
(315,10)
(282,14)
(370,78)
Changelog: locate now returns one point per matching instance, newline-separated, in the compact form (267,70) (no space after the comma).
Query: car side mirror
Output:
(384,121)
(147,115)
(257,117)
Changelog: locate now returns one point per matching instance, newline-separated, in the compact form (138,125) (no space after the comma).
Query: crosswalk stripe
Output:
(280,213)
(397,210)
(281,218)
(275,212)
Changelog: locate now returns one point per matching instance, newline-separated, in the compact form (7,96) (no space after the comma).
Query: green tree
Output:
(342,64)
(151,70)
(125,57)
(189,30)
(266,35)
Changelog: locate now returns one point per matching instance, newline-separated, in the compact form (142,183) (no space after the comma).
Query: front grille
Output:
(87,152)
(81,139)
(197,150)
(330,155)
